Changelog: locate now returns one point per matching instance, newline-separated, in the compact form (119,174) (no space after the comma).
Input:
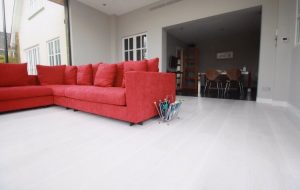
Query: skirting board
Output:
(290,108)
(272,102)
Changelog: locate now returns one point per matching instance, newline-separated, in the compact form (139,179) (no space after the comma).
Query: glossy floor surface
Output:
(216,144)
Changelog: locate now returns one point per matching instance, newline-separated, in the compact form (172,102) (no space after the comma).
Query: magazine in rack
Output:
(167,110)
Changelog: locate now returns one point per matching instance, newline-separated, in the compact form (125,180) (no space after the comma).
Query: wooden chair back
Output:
(212,74)
(233,74)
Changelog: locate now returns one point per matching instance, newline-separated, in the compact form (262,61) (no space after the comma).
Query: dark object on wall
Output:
(173,62)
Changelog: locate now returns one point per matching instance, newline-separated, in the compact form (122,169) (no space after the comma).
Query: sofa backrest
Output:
(13,74)
(33,80)
(70,75)
(152,65)
(49,75)
(16,74)
(119,75)
(95,68)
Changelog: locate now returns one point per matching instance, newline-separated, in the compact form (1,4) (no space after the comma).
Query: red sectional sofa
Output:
(124,91)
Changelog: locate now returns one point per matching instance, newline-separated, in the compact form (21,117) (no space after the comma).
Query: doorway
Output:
(225,51)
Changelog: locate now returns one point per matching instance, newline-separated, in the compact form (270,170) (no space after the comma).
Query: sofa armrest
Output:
(143,89)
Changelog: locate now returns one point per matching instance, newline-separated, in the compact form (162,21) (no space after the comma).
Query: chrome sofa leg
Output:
(218,89)
(221,89)
(241,88)
(206,83)
(226,89)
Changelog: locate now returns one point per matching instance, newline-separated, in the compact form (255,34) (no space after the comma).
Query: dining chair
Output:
(234,76)
(212,76)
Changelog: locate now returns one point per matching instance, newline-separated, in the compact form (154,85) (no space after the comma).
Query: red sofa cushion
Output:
(134,66)
(95,68)
(71,75)
(48,75)
(105,75)
(13,74)
(105,95)
(119,75)
(85,74)
(20,92)
(152,65)
(59,90)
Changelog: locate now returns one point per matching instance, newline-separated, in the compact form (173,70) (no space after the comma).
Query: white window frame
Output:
(33,59)
(35,6)
(297,32)
(54,52)
(142,49)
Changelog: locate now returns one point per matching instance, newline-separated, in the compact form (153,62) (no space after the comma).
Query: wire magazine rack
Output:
(168,109)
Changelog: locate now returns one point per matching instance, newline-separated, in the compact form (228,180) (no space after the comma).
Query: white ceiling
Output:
(235,23)
(118,7)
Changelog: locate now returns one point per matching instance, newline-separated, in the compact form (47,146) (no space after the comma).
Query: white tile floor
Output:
(215,145)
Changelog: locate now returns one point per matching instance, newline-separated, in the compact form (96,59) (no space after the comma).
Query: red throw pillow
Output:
(85,74)
(71,75)
(134,66)
(119,75)
(152,65)
(105,75)
(95,68)
(13,74)
(48,75)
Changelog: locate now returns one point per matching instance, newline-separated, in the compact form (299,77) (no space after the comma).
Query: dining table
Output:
(245,77)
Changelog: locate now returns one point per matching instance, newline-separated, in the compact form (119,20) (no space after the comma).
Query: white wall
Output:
(286,23)
(153,22)
(294,87)
(91,39)
(48,24)
(294,79)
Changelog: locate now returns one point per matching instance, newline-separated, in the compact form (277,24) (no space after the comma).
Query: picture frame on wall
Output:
(225,55)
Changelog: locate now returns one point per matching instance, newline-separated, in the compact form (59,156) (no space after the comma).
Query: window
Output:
(35,6)
(54,53)
(52,15)
(33,59)
(135,47)
(298,23)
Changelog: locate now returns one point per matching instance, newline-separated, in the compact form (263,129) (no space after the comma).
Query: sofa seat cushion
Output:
(105,95)
(19,92)
(59,90)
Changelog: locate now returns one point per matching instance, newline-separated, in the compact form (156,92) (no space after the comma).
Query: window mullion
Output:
(134,48)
